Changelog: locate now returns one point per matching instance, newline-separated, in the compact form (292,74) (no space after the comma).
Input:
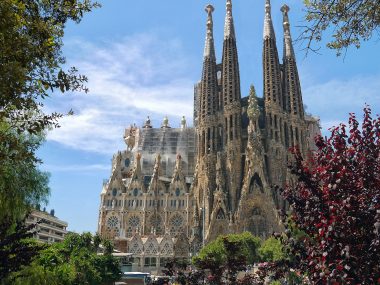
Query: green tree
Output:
(17,248)
(74,261)
(351,22)
(271,250)
(31,61)
(22,187)
(228,254)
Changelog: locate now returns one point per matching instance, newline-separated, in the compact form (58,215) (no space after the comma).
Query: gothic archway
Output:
(256,184)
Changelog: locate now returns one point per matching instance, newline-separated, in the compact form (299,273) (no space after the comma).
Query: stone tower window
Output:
(220,215)
(127,162)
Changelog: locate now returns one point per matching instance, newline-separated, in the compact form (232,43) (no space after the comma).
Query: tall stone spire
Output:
(292,87)
(288,46)
(231,96)
(207,124)
(273,95)
(230,62)
(271,64)
(209,44)
(268,25)
(229,30)
(209,92)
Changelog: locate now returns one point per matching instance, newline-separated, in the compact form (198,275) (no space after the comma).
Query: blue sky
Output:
(143,58)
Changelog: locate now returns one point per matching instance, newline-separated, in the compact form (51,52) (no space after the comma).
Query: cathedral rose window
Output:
(155,221)
(177,221)
(113,222)
(134,221)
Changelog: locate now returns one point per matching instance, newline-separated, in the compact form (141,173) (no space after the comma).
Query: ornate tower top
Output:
(268,25)
(285,10)
(148,124)
(229,30)
(287,37)
(183,122)
(209,45)
(165,123)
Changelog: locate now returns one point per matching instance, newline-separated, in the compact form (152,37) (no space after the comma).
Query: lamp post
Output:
(203,226)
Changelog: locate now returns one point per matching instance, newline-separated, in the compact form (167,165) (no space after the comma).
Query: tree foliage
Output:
(17,248)
(336,203)
(74,261)
(31,59)
(22,184)
(228,255)
(351,22)
(22,187)
(271,250)
(31,69)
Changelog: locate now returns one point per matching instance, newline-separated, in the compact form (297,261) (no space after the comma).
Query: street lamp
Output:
(203,226)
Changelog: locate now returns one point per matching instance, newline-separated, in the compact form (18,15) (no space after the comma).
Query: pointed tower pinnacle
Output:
(178,174)
(287,37)
(153,186)
(230,64)
(209,45)
(136,174)
(268,25)
(231,96)
(271,66)
(229,30)
(292,86)
(208,98)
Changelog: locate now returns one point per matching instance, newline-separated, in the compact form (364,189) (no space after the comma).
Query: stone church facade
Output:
(191,184)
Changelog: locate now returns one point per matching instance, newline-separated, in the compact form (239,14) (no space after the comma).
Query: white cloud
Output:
(138,76)
(75,168)
(333,100)
(146,75)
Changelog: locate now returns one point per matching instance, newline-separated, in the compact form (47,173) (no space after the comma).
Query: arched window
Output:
(256,184)
(220,215)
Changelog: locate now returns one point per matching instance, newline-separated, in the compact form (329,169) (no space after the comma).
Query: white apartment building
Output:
(50,229)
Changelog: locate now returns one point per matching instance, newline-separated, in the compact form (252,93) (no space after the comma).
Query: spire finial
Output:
(267,7)
(288,45)
(147,123)
(209,46)
(268,26)
(209,9)
(183,122)
(285,10)
(165,123)
(229,30)
(229,6)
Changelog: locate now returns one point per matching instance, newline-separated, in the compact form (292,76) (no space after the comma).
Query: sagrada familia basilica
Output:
(174,189)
